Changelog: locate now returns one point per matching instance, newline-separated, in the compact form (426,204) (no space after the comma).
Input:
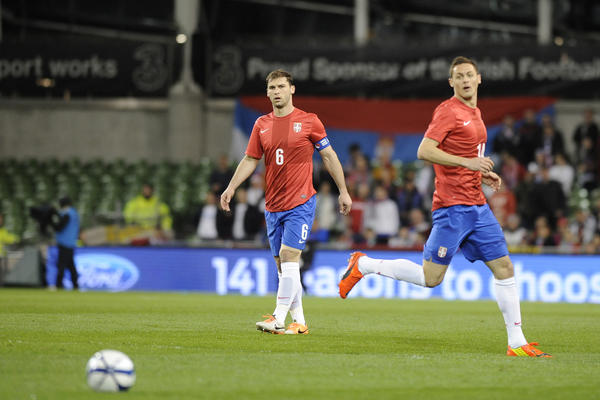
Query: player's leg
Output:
(487,243)
(290,267)
(430,274)
(298,324)
(296,309)
(441,245)
(278,264)
(507,297)
(289,284)
(296,228)
(274,233)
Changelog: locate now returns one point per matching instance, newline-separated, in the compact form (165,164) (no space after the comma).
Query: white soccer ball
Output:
(110,371)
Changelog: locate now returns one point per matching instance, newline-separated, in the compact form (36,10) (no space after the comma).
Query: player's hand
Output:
(345,203)
(492,180)
(226,199)
(483,164)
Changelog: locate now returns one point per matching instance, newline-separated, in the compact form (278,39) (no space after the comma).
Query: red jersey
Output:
(288,144)
(460,131)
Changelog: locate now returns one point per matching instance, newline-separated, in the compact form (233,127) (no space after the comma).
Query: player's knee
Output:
(434,274)
(433,279)
(506,270)
(289,255)
(502,268)
(433,282)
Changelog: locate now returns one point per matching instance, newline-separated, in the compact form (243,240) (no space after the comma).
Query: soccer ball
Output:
(110,371)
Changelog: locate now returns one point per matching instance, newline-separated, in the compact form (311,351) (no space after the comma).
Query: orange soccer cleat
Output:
(527,351)
(352,274)
(296,329)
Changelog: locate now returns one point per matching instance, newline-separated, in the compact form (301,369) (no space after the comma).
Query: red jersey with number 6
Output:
(460,131)
(288,145)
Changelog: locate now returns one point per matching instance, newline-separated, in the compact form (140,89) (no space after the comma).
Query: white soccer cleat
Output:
(270,325)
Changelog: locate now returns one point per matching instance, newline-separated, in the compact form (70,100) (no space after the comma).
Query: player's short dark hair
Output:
(280,73)
(461,60)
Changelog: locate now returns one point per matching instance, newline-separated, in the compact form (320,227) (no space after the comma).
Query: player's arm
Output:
(334,167)
(244,169)
(429,151)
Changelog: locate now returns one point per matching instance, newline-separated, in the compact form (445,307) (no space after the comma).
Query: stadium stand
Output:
(98,188)
(149,37)
(101,188)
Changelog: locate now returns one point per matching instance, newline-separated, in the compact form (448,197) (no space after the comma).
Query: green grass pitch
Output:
(192,346)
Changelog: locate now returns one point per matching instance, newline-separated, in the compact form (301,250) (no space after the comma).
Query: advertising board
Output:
(545,278)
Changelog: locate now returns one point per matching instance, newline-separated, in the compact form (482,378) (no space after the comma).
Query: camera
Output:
(43,214)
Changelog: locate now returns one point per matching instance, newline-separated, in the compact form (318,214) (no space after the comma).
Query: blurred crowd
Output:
(549,199)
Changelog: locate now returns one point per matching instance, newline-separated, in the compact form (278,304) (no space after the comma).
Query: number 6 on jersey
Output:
(279,156)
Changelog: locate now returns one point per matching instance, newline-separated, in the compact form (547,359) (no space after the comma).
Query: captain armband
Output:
(322,144)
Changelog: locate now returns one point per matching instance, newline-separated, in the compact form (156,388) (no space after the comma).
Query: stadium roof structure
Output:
(413,22)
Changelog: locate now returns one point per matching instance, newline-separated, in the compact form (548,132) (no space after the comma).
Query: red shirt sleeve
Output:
(254,148)
(442,123)
(318,130)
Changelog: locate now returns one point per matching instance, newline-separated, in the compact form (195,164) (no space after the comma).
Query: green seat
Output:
(181,201)
(30,229)
(14,220)
(5,187)
(108,206)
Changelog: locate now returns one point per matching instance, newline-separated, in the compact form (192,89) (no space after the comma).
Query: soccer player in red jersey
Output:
(455,143)
(287,137)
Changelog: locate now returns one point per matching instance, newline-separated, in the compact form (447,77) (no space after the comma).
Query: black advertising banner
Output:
(108,68)
(231,70)
(120,68)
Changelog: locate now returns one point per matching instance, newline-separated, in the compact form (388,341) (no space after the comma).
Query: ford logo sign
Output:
(102,271)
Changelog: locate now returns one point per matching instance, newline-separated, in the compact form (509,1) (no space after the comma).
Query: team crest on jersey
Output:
(442,252)
(297,126)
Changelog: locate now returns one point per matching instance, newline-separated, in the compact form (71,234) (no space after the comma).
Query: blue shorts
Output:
(290,227)
(474,229)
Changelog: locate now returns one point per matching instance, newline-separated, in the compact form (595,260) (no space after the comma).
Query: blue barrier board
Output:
(547,278)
